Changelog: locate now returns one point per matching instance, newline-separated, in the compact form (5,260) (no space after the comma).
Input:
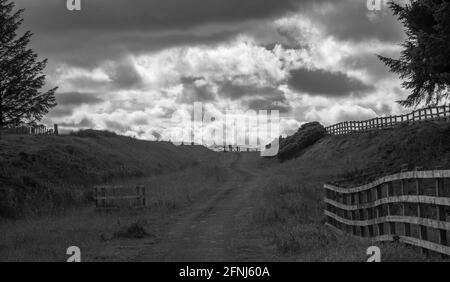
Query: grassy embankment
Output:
(48,181)
(291,207)
(49,174)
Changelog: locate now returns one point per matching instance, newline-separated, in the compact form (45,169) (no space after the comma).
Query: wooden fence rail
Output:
(117,197)
(411,207)
(438,113)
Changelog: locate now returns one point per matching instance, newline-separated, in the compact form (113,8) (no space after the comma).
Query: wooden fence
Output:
(32,130)
(238,149)
(117,197)
(411,207)
(438,113)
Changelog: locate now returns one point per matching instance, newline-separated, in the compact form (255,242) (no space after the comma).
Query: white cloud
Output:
(140,111)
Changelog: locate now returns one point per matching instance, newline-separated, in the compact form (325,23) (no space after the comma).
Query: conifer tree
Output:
(424,63)
(21,73)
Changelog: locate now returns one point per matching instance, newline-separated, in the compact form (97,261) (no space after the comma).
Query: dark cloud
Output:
(76,50)
(68,101)
(351,20)
(106,29)
(77,99)
(196,90)
(60,111)
(347,20)
(270,104)
(109,28)
(106,32)
(371,64)
(145,41)
(255,97)
(319,82)
(148,15)
(120,75)
(86,82)
(125,76)
(230,89)
(156,134)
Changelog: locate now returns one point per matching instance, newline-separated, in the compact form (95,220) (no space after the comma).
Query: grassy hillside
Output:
(379,152)
(290,207)
(42,174)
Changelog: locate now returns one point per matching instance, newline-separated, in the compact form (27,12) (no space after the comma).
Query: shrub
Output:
(307,135)
(135,231)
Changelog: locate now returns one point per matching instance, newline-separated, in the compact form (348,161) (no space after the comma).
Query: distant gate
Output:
(118,197)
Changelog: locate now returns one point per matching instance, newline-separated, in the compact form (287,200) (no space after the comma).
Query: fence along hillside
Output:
(438,113)
(411,207)
(31,130)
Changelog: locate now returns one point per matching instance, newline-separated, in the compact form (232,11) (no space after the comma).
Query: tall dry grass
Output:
(290,212)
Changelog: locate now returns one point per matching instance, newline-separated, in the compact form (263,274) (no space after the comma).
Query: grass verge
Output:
(290,211)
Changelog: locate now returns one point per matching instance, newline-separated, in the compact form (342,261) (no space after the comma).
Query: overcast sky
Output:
(128,65)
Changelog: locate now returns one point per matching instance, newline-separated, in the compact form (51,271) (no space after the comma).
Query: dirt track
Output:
(219,229)
(208,230)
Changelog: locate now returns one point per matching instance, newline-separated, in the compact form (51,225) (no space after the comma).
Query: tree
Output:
(21,74)
(424,63)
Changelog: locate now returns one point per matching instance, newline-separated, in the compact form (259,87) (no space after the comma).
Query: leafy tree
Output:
(424,63)
(21,78)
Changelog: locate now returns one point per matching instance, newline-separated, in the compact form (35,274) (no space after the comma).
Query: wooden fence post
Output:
(392,230)
(104,203)
(144,197)
(406,226)
(95,196)
(423,235)
(440,213)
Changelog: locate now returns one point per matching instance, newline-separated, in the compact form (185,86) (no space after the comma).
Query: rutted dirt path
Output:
(207,231)
(219,229)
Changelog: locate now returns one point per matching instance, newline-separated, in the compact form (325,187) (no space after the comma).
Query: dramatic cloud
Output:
(196,90)
(351,20)
(320,82)
(69,101)
(370,63)
(150,15)
(108,28)
(235,91)
(129,66)
(280,104)
(124,75)
(77,99)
